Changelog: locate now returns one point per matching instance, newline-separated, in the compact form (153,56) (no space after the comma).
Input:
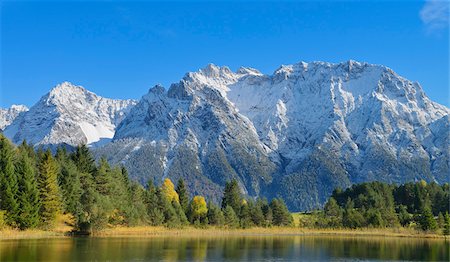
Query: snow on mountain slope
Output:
(314,126)
(69,115)
(8,115)
(297,133)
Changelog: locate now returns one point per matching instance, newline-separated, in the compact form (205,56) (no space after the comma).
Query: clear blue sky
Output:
(120,49)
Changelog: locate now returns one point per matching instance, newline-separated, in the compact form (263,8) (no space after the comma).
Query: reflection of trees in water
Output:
(379,248)
(249,248)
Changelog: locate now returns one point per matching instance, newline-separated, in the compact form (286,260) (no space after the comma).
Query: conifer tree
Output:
(231,219)
(281,215)
(102,177)
(28,194)
(446,224)
(49,191)
(245,219)
(215,215)
(232,196)
(8,182)
(427,221)
(183,195)
(69,183)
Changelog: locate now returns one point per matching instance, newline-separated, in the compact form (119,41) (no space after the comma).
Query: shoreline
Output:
(150,231)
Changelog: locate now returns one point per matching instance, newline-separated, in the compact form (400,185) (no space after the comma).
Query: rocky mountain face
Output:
(298,133)
(69,115)
(8,115)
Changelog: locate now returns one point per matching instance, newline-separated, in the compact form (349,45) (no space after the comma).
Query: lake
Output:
(230,248)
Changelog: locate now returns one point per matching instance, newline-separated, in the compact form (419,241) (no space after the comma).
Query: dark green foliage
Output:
(245,218)
(8,182)
(352,218)
(232,196)
(256,212)
(231,219)
(333,214)
(215,215)
(281,215)
(183,195)
(35,187)
(404,217)
(446,224)
(426,220)
(69,183)
(28,193)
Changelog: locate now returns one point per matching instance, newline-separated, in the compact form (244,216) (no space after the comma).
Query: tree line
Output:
(37,186)
(419,205)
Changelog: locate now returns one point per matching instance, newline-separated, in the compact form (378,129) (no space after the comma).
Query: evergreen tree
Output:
(215,215)
(333,213)
(281,215)
(183,195)
(8,182)
(426,220)
(245,219)
(440,220)
(232,196)
(69,183)
(154,212)
(404,217)
(28,193)
(446,224)
(231,219)
(352,218)
(256,212)
(83,159)
(85,164)
(102,178)
(49,191)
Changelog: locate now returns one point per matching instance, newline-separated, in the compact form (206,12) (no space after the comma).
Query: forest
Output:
(36,186)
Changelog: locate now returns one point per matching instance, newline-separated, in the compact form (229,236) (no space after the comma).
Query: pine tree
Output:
(69,183)
(83,159)
(281,215)
(183,195)
(49,191)
(85,164)
(215,215)
(102,177)
(446,224)
(29,202)
(257,213)
(154,211)
(8,182)
(232,196)
(245,219)
(231,219)
(427,221)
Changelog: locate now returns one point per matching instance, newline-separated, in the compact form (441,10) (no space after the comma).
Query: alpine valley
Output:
(297,134)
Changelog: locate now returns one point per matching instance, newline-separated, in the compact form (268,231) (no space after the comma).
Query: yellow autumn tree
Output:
(199,208)
(168,190)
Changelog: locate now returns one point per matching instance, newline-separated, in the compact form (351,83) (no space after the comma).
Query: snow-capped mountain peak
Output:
(8,115)
(69,114)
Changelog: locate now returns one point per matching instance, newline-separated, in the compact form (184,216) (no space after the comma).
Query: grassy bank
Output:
(149,231)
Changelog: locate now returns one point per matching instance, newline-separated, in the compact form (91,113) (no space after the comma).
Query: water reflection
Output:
(251,248)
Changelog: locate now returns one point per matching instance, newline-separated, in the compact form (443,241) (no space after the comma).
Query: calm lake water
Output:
(264,248)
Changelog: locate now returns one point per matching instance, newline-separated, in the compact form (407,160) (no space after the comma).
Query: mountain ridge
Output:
(297,133)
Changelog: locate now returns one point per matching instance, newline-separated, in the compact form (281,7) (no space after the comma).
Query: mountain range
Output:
(298,133)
